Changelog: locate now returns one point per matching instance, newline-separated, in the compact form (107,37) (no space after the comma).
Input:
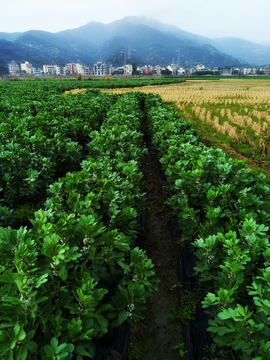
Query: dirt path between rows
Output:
(154,337)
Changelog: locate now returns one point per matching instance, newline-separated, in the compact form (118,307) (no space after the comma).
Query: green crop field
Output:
(231,114)
(73,181)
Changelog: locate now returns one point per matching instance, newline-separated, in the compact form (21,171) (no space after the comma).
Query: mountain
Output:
(12,51)
(246,51)
(149,46)
(266,43)
(132,39)
(9,36)
(40,47)
(165,28)
(58,48)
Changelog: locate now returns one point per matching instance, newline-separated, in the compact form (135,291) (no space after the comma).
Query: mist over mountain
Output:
(245,51)
(131,39)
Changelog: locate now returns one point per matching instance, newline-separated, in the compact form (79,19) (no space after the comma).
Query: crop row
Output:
(41,142)
(73,277)
(221,208)
(43,88)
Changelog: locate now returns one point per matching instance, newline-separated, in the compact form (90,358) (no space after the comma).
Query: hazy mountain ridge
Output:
(146,40)
(244,50)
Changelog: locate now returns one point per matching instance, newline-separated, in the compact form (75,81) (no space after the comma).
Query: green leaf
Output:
(54,344)
(23,352)
(60,348)
(122,317)
(81,351)
(103,308)
(13,300)
(241,310)
(63,274)
(8,277)
(31,346)
(16,329)
(21,335)
(41,280)
(48,350)
(9,355)
(69,348)
(62,355)
(224,315)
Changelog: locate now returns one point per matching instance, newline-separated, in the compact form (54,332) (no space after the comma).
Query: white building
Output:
(100,68)
(191,71)
(227,71)
(267,70)
(200,68)
(61,70)
(246,71)
(27,67)
(128,69)
(173,68)
(181,71)
(49,69)
(109,69)
(13,68)
(85,71)
(36,71)
(72,68)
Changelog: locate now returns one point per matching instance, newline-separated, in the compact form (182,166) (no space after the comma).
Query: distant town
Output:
(102,69)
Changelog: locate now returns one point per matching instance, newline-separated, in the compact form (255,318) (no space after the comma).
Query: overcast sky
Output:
(246,19)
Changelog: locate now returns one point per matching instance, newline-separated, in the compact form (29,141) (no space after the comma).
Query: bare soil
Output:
(154,337)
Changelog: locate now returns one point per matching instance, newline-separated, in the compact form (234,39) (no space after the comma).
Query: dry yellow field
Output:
(233,114)
(212,91)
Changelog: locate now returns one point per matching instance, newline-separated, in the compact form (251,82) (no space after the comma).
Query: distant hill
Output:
(20,53)
(245,51)
(9,36)
(132,39)
(57,48)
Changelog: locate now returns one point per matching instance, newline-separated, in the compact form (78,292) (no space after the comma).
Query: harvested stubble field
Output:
(232,114)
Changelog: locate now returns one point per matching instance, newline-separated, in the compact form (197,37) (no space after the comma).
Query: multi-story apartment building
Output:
(49,69)
(100,68)
(246,71)
(173,68)
(85,71)
(61,69)
(27,67)
(119,70)
(109,69)
(78,68)
(267,70)
(147,70)
(13,68)
(36,71)
(181,71)
(157,70)
(200,67)
(227,71)
(72,68)
(128,69)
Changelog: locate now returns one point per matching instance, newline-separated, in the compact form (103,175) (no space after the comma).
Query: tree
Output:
(134,69)
(3,70)
(166,72)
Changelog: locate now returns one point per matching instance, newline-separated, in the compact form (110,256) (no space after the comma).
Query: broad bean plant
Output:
(77,274)
(222,209)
